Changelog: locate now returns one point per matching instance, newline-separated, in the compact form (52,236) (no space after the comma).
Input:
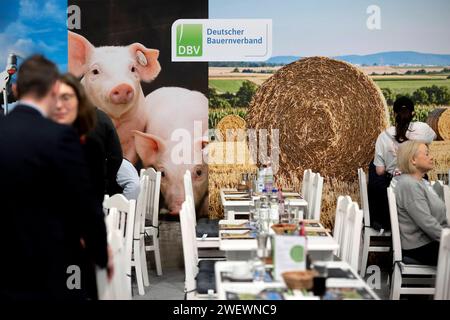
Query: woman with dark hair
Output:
(388,141)
(97,135)
(383,171)
(74,108)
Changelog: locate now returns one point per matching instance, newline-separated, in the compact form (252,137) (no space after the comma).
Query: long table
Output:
(238,207)
(227,289)
(319,247)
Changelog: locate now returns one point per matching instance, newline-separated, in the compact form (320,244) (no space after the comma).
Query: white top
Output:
(128,179)
(386,146)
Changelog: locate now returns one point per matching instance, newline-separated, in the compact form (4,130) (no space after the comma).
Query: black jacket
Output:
(104,155)
(46,207)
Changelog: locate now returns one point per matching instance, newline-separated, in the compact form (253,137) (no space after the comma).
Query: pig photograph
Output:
(123,59)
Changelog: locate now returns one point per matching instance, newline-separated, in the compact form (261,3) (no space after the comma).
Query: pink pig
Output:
(174,143)
(111,77)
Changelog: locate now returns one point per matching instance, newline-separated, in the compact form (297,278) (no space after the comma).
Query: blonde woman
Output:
(421,213)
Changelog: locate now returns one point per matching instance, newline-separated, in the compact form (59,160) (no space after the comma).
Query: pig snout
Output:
(175,206)
(122,94)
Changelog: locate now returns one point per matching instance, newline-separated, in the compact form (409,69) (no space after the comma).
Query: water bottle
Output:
(280,203)
(274,215)
(264,214)
(268,178)
(261,178)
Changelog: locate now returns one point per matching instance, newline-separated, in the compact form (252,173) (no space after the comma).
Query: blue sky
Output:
(34,26)
(338,27)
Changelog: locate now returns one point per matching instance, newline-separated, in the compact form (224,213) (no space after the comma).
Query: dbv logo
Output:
(189,40)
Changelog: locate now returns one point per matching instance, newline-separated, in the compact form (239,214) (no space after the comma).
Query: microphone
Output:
(11,64)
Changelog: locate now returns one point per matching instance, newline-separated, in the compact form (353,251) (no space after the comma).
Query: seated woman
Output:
(421,213)
(384,167)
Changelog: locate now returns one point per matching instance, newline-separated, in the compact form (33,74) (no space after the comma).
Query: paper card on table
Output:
(289,254)
(287,193)
(234,226)
(347,293)
(311,224)
(237,199)
(293,197)
(246,235)
(316,233)
(231,192)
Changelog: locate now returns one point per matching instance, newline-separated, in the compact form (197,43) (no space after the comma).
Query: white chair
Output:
(369,232)
(352,236)
(120,224)
(152,213)
(342,207)
(315,196)
(190,251)
(443,268)
(306,187)
(447,201)
(204,241)
(139,259)
(404,273)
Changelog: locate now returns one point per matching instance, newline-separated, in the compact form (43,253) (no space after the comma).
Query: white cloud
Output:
(32,19)
(34,10)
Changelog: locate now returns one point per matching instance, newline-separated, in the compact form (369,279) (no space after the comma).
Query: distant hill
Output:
(397,58)
(390,58)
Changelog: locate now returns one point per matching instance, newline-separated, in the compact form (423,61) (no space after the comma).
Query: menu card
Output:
(236,226)
(246,235)
(289,254)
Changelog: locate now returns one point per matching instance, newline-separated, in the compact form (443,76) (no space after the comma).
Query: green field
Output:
(410,85)
(225,85)
(397,85)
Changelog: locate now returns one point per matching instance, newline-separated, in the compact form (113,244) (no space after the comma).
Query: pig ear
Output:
(148,146)
(147,63)
(80,50)
(201,145)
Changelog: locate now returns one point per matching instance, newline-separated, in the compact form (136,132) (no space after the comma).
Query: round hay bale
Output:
(439,120)
(231,128)
(328,113)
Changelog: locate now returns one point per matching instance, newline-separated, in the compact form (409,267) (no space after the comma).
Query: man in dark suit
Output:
(51,227)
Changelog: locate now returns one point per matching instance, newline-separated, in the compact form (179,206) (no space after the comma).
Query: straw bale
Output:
(231,128)
(440,150)
(439,120)
(328,113)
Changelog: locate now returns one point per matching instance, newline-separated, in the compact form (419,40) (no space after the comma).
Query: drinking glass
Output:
(258,268)
(320,279)
(253,218)
(261,240)
(293,215)
(284,218)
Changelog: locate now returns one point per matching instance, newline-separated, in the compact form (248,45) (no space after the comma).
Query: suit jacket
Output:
(46,207)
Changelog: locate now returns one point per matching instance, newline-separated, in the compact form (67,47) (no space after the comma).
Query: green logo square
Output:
(189,40)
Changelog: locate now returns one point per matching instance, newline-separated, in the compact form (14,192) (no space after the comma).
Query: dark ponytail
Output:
(403,110)
(402,121)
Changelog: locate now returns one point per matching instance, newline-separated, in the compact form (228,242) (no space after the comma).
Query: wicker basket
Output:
(299,279)
(284,228)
